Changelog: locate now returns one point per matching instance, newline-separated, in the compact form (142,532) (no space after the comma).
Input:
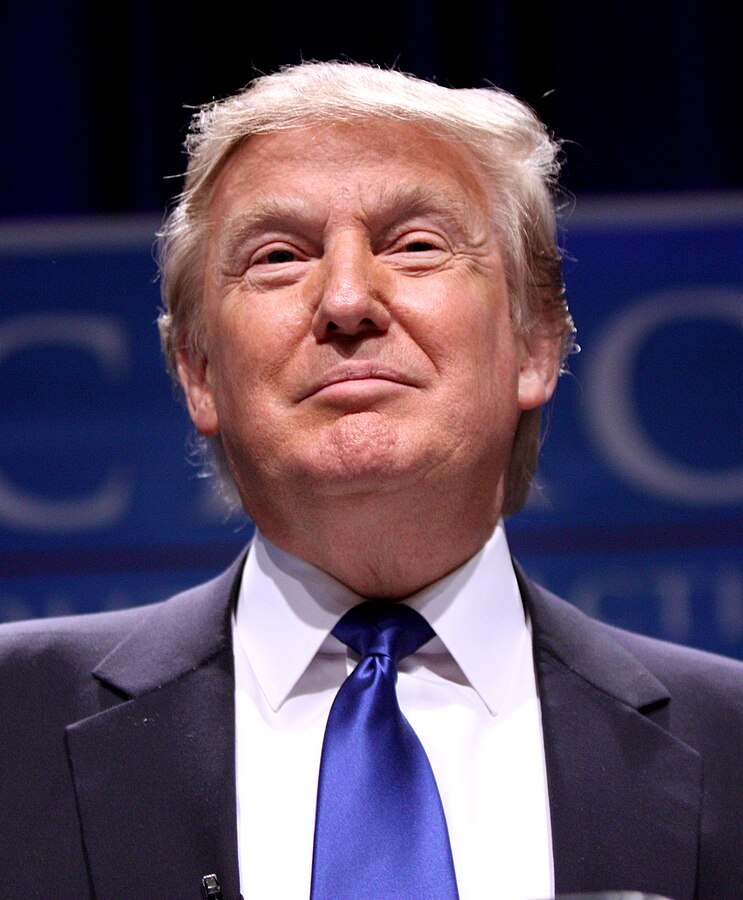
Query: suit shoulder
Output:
(79,638)
(77,643)
(684,668)
(608,655)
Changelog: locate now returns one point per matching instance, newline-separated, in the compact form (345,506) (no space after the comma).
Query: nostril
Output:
(363,325)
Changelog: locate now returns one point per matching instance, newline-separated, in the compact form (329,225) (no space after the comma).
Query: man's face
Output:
(357,321)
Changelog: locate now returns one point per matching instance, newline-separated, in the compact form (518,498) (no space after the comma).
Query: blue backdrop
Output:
(638,512)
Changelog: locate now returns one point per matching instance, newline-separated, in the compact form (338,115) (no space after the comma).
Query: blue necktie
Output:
(380,830)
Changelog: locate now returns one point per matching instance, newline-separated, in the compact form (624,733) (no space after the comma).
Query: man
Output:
(364,309)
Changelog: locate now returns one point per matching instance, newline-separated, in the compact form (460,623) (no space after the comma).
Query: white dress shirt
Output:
(470,694)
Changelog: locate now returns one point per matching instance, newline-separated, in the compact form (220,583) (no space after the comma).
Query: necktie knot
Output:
(383,628)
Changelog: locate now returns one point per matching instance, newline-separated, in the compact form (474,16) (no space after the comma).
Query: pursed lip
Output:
(358,371)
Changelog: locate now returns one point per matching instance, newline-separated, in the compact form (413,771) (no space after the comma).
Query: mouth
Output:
(348,373)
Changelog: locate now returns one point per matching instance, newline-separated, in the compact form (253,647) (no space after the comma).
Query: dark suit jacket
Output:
(118,771)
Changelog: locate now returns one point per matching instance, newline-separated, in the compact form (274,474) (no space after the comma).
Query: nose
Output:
(353,294)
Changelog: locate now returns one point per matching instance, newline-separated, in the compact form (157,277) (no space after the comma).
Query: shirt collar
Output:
(287,607)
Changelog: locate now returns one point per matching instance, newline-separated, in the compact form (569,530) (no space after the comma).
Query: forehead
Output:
(368,161)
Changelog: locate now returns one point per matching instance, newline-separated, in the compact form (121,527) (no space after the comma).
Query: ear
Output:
(193,374)
(539,368)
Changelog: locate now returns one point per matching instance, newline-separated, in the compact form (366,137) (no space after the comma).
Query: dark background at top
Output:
(647,94)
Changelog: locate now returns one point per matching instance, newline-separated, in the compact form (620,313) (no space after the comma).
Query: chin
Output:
(361,452)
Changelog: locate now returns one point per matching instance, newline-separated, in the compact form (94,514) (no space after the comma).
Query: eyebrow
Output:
(268,213)
(394,205)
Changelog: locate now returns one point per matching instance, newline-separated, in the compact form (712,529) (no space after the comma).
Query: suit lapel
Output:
(625,794)
(154,774)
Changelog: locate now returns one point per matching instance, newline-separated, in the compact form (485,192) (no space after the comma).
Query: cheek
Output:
(252,346)
(487,378)
(478,346)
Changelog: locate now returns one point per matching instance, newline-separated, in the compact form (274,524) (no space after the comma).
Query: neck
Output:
(382,549)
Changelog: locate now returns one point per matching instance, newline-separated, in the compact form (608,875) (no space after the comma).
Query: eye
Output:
(274,257)
(418,241)
(276,263)
(418,246)
(419,250)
